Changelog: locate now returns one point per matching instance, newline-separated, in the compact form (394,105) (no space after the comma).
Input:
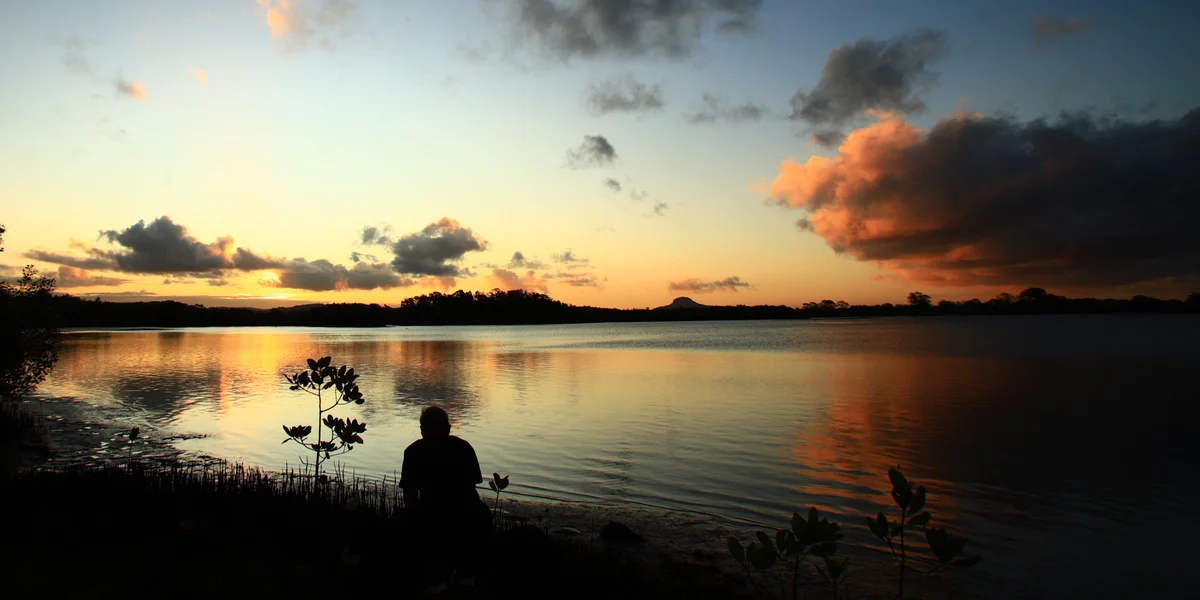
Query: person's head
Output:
(434,422)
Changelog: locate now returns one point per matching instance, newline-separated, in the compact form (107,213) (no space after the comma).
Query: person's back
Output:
(438,478)
(440,473)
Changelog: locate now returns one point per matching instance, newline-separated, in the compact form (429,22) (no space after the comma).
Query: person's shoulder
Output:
(415,446)
(459,442)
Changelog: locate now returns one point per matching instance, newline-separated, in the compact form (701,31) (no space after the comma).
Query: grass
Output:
(226,530)
(17,422)
(22,435)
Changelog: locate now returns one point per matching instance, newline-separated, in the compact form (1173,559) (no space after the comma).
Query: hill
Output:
(682,302)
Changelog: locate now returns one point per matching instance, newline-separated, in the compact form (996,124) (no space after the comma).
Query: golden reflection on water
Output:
(876,416)
(1002,434)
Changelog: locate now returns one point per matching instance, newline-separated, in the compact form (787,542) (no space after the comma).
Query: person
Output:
(438,479)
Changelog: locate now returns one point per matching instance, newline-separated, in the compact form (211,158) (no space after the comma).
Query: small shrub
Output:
(133,436)
(814,536)
(318,381)
(497,483)
(946,548)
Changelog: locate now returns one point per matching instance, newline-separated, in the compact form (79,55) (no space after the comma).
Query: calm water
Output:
(1066,446)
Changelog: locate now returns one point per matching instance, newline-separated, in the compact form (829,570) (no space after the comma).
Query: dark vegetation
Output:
(232,532)
(817,538)
(29,343)
(29,337)
(316,381)
(518,307)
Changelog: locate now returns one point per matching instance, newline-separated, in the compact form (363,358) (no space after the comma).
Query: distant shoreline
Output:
(517,307)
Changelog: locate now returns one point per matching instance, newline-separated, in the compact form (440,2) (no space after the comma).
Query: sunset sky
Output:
(608,153)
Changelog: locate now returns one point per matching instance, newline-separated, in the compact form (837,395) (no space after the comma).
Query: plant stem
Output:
(903,556)
(317,473)
(796,579)
(750,578)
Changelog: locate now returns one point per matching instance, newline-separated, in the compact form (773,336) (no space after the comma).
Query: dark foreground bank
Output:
(94,518)
(226,530)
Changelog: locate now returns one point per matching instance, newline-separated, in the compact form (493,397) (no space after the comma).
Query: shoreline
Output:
(676,542)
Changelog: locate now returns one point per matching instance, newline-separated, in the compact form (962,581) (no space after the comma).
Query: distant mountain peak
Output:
(682,302)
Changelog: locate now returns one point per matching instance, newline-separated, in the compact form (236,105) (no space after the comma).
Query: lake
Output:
(1066,447)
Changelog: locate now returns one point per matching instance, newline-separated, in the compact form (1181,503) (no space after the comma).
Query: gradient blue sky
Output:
(407,112)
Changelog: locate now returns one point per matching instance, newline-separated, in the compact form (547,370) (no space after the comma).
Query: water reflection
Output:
(1034,444)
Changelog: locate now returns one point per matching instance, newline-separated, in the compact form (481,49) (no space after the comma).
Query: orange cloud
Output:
(133,89)
(508,280)
(281,16)
(301,24)
(71,277)
(1077,203)
(200,75)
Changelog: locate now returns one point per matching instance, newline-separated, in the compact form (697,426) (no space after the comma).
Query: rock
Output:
(619,533)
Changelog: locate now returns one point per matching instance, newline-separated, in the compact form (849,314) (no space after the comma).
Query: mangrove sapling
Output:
(813,536)
(497,483)
(133,435)
(911,502)
(835,573)
(317,381)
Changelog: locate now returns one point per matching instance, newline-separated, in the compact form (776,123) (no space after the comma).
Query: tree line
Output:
(497,307)
(519,307)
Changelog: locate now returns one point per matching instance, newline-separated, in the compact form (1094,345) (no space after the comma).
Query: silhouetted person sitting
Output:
(438,477)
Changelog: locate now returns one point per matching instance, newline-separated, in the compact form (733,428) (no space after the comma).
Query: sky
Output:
(608,153)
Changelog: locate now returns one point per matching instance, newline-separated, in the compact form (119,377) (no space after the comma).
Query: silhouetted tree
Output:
(1002,299)
(1032,295)
(29,335)
(920,301)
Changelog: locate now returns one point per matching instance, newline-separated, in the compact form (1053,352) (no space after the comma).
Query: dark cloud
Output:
(375,235)
(432,250)
(575,279)
(245,260)
(660,208)
(143,295)
(1048,30)
(883,75)
(729,284)
(218,282)
(568,258)
(612,184)
(253,301)
(321,275)
(519,261)
(828,139)
(591,28)
(508,280)
(94,262)
(713,109)
(164,246)
(69,277)
(1075,203)
(75,57)
(595,151)
(624,94)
